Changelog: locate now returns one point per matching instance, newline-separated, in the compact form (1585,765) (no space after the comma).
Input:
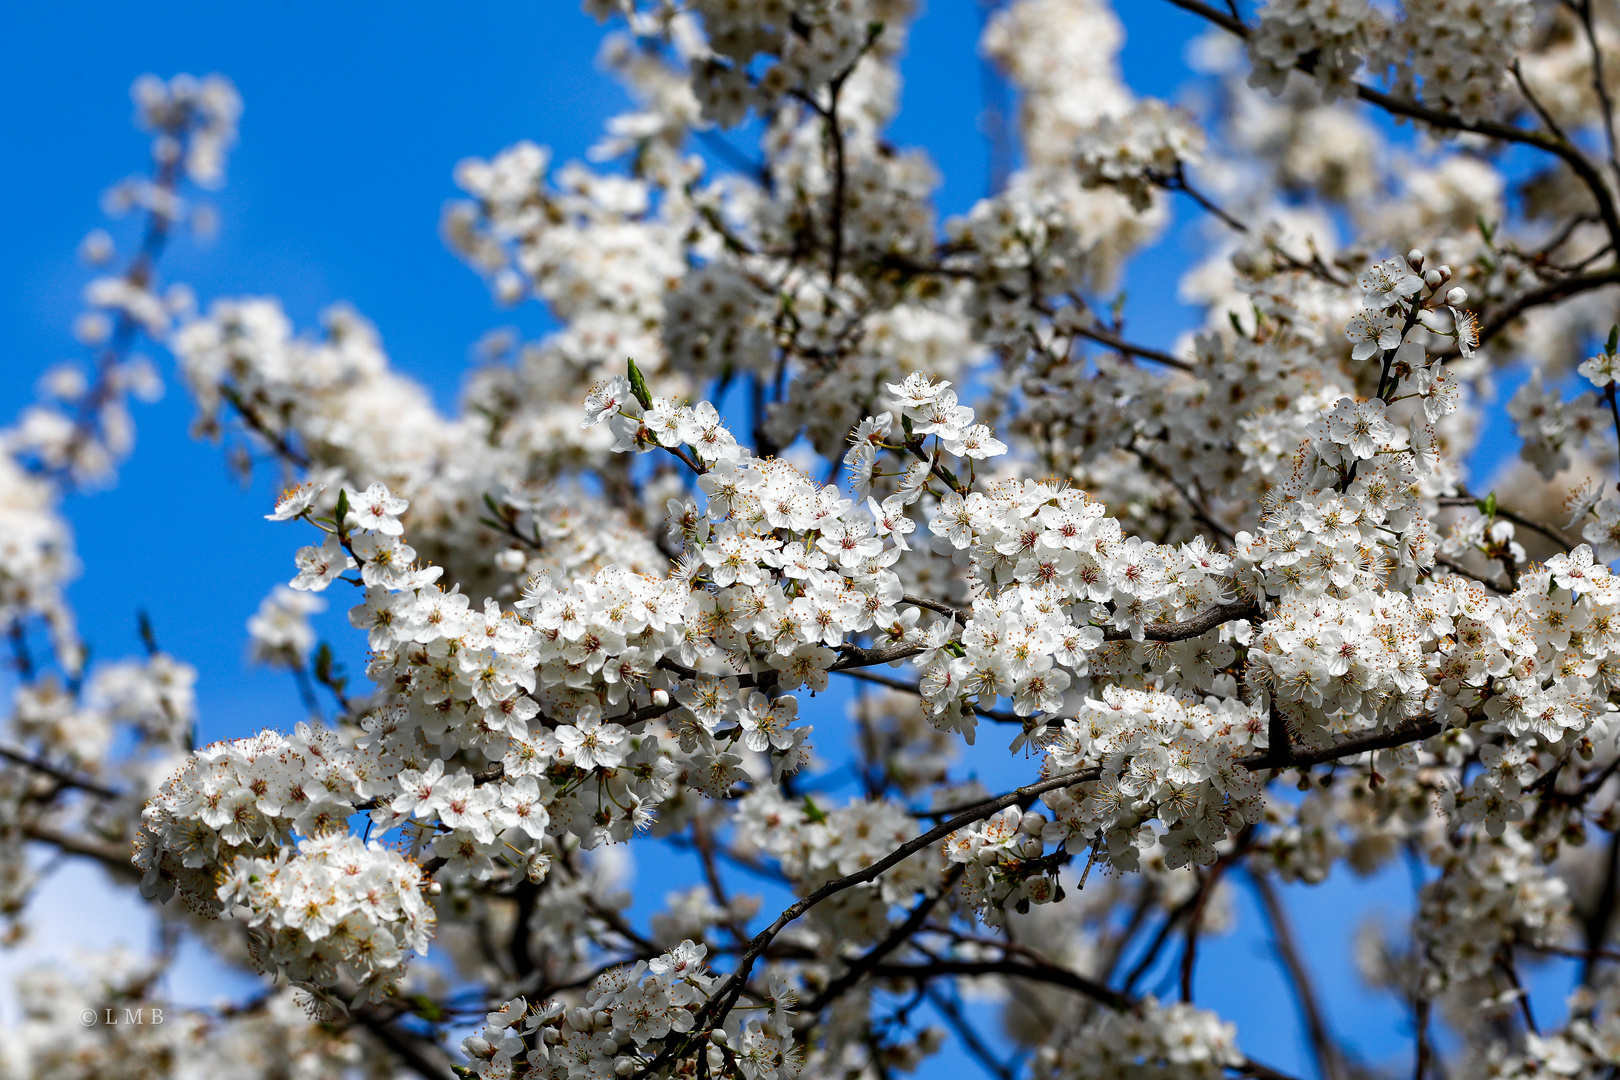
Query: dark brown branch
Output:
(1462,571)
(1583,10)
(935,605)
(1346,746)
(255,423)
(1052,974)
(996,715)
(901,934)
(1193,627)
(426,1059)
(1529,95)
(1551,532)
(114,858)
(971,1039)
(61,776)
(726,993)
(1550,293)
(1323,1046)
(1118,344)
(1595,923)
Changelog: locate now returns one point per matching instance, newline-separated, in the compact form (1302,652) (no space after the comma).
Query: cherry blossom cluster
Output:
(814,846)
(628,1017)
(1177,1042)
(1335,32)
(1489,894)
(1457,54)
(1160,759)
(138,1031)
(1004,865)
(1451,55)
(806,45)
(1188,575)
(193,122)
(1150,143)
(244,798)
(334,902)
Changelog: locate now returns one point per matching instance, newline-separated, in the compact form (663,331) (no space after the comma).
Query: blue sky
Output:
(355,115)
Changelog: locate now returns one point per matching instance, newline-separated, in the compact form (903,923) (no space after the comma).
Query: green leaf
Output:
(1237,325)
(1487,505)
(342,511)
(1486,229)
(1614,341)
(427,1008)
(638,385)
(812,811)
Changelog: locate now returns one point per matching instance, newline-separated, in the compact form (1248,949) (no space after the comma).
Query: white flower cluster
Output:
(1172,1042)
(193,122)
(1063,57)
(807,44)
(335,399)
(1334,33)
(629,1016)
(1159,758)
(36,551)
(279,631)
(1490,892)
(589,246)
(244,798)
(1148,145)
(1551,427)
(1005,865)
(813,846)
(334,901)
(137,1033)
(1056,571)
(1459,54)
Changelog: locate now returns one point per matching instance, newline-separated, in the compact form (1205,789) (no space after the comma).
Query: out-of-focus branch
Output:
(1437,118)
(1325,1049)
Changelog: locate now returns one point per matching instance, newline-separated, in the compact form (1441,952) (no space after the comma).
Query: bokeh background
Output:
(355,115)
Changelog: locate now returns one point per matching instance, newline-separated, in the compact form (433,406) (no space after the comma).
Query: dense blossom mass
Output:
(969,649)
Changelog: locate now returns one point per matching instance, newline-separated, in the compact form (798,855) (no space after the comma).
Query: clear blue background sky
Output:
(355,115)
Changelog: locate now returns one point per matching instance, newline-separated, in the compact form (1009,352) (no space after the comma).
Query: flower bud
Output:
(603,1018)
(1032,823)
(1414,258)
(1456,296)
(579,1018)
(1445,272)
(1432,278)
(434,888)
(718,1037)
(625,1066)
(989,856)
(660,698)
